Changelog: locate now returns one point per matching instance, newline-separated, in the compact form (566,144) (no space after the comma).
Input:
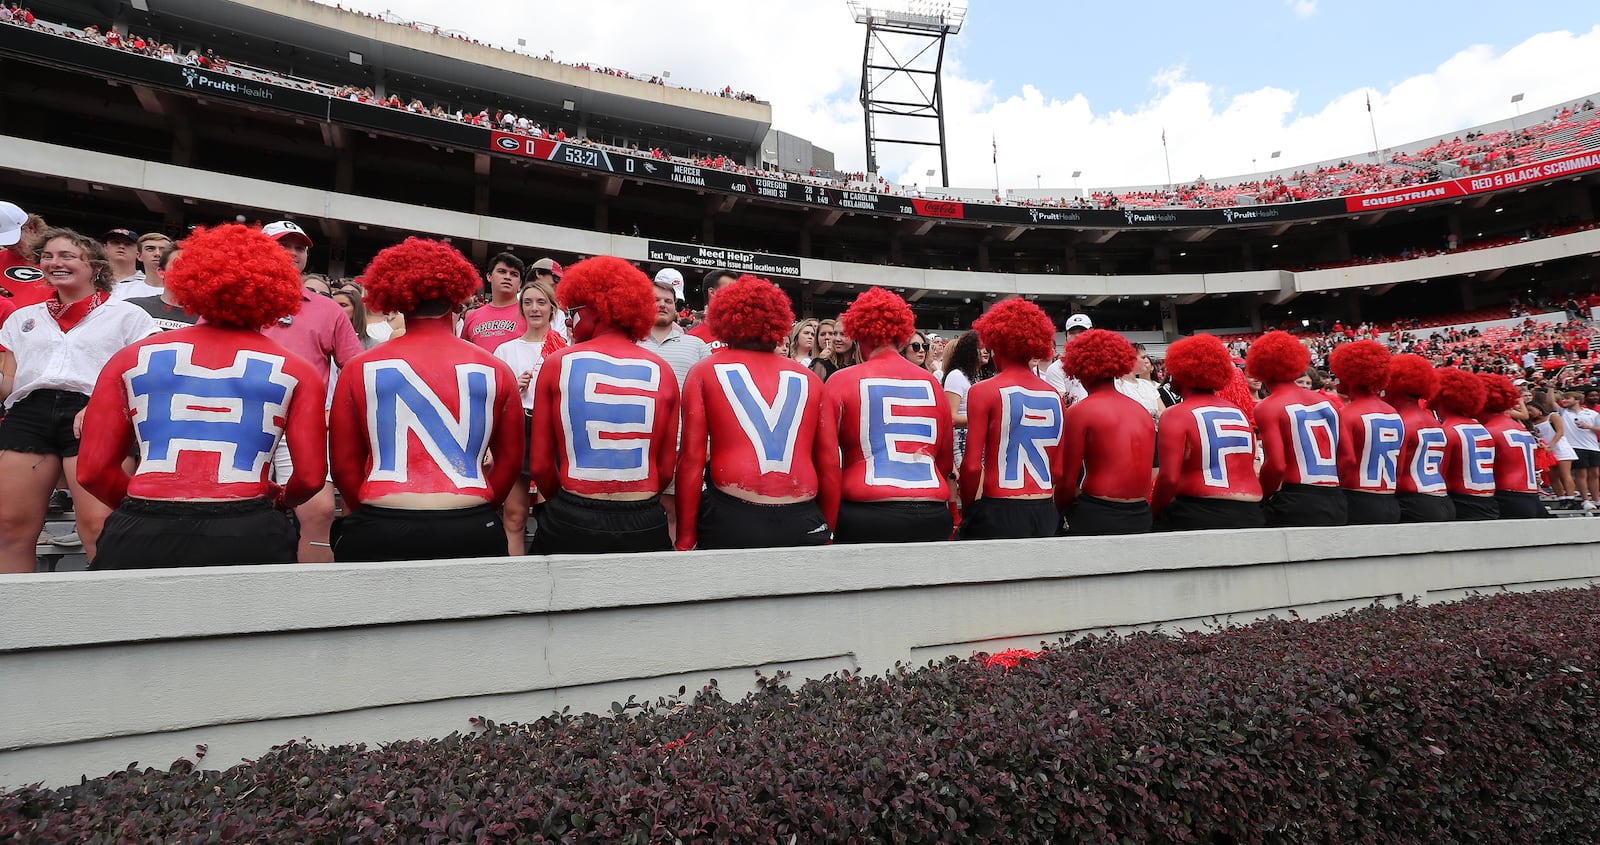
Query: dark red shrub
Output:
(1449,723)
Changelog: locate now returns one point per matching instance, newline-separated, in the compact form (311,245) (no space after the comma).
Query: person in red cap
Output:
(425,429)
(1299,432)
(1370,434)
(1014,426)
(204,407)
(1516,481)
(1110,441)
(1207,476)
(751,416)
(605,419)
(21,282)
(891,426)
(1469,448)
(1420,490)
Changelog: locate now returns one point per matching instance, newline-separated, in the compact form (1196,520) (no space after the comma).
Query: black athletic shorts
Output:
(41,423)
(1515,505)
(1365,508)
(1586,457)
(1306,505)
(1090,516)
(1009,519)
(1202,513)
(527,442)
(1475,508)
(371,533)
(156,534)
(728,522)
(568,524)
(1424,507)
(917,521)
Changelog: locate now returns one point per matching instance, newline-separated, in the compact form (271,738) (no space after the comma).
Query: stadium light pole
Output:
(1075,175)
(902,66)
(1516,102)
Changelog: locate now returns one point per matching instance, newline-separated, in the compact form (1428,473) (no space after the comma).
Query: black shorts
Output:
(1009,519)
(372,533)
(1474,508)
(41,423)
(1365,508)
(527,443)
(917,521)
(1306,505)
(1200,513)
(1586,459)
(1090,516)
(728,522)
(1515,505)
(568,524)
(1424,507)
(154,534)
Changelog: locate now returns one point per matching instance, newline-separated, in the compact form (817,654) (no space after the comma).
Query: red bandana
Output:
(69,316)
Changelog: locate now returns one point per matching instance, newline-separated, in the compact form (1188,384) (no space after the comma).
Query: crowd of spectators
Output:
(1568,130)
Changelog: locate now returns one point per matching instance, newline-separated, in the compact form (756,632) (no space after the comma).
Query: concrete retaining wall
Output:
(98,670)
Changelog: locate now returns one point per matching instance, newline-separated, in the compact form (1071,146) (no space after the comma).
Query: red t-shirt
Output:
(20,281)
(702,330)
(488,326)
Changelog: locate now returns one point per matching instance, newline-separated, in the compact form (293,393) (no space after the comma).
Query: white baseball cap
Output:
(669,275)
(1079,321)
(283,229)
(11,220)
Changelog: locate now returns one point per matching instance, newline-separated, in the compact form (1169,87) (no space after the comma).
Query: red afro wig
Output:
(1277,357)
(750,312)
(1459,393)
(1411,375)
(403,278)
(1017,330)
(1200,362)
(615,292)
(1238,393)
(1098,355)
(1362,365)
(235,277)
(878,318)
(1501,394)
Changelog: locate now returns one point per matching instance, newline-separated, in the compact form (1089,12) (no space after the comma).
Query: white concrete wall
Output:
(98,670)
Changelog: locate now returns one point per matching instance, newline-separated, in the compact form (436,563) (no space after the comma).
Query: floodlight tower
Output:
(901,67)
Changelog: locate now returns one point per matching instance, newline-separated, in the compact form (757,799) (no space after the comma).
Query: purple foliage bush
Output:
(1449,723)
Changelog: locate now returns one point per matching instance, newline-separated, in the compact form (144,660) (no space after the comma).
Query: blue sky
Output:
(1064,86)
(1111,52)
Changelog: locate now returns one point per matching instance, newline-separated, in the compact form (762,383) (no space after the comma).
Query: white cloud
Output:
(805,58)
(1303,8)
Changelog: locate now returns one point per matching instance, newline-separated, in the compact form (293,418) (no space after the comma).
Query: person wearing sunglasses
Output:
(918,352)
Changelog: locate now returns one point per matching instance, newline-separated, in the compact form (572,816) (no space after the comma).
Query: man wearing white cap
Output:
(320,332)
(293,239)
(21,283)
(677,347)
(1069,388)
